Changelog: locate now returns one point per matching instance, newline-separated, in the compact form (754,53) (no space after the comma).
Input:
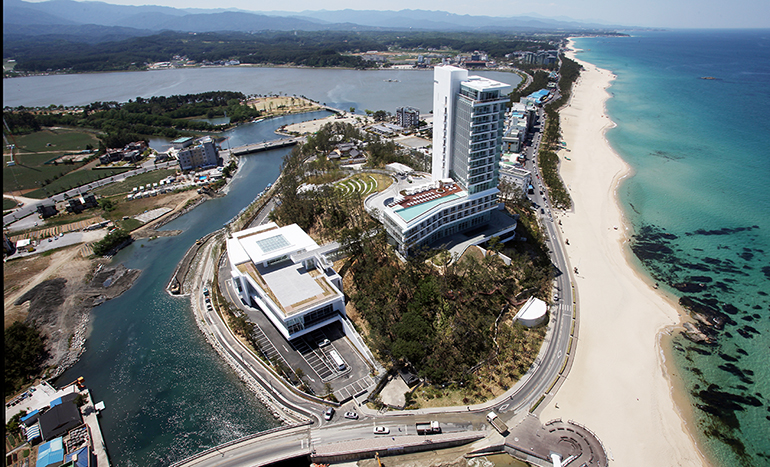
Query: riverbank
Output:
(619,383)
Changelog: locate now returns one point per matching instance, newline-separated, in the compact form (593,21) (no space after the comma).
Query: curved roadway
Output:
(540,380)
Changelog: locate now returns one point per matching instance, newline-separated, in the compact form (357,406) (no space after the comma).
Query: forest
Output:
(443,316)
(122,123)
(300,48)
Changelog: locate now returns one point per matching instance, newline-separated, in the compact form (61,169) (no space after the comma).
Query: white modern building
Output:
(283,272)
(468,124)
(201,155)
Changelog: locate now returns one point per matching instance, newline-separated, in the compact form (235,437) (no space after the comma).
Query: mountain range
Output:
(103,21)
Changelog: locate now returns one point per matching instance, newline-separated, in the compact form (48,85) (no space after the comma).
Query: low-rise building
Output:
(183,142)
(47,211)
(81,203)
(284,273)
(515,174)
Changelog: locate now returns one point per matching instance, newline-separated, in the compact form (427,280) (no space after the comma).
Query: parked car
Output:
(381,430)
(329,413)
(323,343)
(351,415)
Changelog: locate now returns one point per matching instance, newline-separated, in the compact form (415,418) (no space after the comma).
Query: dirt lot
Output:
(57,291)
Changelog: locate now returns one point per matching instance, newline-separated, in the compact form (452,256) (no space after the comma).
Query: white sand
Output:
(618,386)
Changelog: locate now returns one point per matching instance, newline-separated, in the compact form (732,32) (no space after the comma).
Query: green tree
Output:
(24,351)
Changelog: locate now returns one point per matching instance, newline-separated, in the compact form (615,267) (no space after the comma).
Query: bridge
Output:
(265,145)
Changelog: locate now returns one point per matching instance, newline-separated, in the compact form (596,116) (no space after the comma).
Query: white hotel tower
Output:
(468,124)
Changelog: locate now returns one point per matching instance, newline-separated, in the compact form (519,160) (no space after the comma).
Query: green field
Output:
(60,139)
(8,203)
(137,180)
(33,151)
(73,180)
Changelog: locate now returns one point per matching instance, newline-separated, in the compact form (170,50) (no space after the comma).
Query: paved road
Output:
(539,380)
(31,208)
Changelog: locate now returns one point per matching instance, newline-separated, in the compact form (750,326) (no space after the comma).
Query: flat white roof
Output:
(480,83)
(268,242)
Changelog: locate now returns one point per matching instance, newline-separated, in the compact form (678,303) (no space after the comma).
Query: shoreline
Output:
(621,387)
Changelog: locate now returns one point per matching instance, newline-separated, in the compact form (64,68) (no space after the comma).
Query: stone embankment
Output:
(195,284)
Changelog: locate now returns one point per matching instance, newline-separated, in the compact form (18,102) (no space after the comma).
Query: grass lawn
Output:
(33,151)
(60,139)
(72,180)
(364,184)
(135,181)
(8,203)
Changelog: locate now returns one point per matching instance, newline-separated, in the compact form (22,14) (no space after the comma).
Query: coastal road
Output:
(31,208)
(519,400)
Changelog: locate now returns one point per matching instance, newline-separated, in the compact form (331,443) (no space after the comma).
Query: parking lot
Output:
(304,353)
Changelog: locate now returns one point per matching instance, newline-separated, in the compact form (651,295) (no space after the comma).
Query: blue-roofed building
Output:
(50,453)
(537,97)
(79,458)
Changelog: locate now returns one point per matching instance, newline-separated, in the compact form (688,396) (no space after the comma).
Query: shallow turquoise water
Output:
(699,203)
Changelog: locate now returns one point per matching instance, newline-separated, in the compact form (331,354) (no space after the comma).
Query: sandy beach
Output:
(619,384)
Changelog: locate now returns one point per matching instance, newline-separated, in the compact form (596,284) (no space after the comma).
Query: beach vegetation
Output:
(548,158)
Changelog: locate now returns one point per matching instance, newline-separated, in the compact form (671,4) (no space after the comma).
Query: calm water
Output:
(699,203)
(340,89)
(168,394)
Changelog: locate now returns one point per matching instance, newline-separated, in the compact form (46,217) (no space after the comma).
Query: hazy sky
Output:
(648,13)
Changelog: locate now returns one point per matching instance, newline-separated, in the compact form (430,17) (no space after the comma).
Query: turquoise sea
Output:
(699,204)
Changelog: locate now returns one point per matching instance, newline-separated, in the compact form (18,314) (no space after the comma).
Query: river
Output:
(167,393)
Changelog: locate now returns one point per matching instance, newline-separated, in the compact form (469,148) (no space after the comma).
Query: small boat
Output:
(707,77)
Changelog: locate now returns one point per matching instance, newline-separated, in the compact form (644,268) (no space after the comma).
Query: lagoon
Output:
(338,88)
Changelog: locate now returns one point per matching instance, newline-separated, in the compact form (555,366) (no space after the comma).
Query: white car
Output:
(351,415)
(381,430)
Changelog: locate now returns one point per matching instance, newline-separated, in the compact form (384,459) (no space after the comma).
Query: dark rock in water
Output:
(766,271)
(705,279)
(699,351)
(742,387)
(705,308)
(735,371)
(724,404)
(745,334)
(696,267)
(727,357)
(746,256)
(696,371)
(742,352)
(728,335)
(751,329)
(730,309)
(723,287)
(748,318)
(689,287)
(756,316)
(756,307)
(762,292)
